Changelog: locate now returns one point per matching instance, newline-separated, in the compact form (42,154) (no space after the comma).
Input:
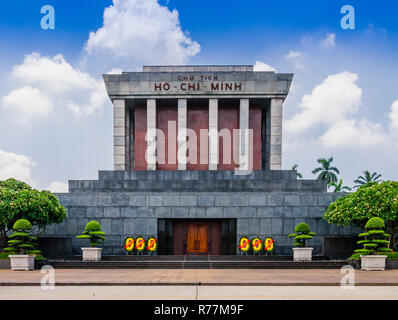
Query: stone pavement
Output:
(203,277)
(212,293)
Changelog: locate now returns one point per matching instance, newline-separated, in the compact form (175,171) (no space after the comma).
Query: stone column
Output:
(151,134)
(213,134)
(244,134)
(276,134)
(182,134)
(119,134)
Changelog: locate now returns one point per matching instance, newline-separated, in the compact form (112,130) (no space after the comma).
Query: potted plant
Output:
(375,245)
(301,234)
(96,236)
(22,246)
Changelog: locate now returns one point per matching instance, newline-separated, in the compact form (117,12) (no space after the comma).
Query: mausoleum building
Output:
(197,165)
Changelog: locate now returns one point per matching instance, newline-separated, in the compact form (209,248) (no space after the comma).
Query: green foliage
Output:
(366,178)
(375,241)
(93,233)
(19,201)
(370,200)
(22,224)
(390,255)
(375,223)
(339,187)
(21,242)
(93,226)
(302,227)
(299,175)
(301,234)
(326,171)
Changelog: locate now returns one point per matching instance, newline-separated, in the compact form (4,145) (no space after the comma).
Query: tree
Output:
(93,233)
(338,187)
(21,242)
(375,238)
(367,177)
(370,200)
(19,201)
(326,171)
(294,168)
(301,234)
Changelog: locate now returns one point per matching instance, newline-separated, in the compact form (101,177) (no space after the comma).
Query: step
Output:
(74,264)
(204,175)
(81,186)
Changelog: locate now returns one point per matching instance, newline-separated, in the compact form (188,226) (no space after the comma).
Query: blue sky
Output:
(66,132)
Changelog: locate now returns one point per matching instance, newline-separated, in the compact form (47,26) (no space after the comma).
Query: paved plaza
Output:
(195,284)
(209,277)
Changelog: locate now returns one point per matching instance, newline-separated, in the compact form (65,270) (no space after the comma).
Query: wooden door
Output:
(197,238)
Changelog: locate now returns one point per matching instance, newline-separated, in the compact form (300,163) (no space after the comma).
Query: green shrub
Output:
(301,234)
(21,242)
(93,233)
(375,241)
(390,255)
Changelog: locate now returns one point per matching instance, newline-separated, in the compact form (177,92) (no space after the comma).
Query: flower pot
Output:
(302,254)
(22,262)
(373,262)
(91,254)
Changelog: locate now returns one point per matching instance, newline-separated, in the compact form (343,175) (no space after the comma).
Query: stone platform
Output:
(262,204)
(197,181)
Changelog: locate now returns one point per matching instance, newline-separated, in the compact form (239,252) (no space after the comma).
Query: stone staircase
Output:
(197,262)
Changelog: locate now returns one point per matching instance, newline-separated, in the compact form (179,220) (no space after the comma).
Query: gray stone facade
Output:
(257,213)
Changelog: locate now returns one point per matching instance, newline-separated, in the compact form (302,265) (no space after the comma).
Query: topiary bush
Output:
(375,241)
(301,234)
(93,233)
(21,242)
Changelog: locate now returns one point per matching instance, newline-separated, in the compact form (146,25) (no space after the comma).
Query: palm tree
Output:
(366,178)
(294,168)
(338,187)
(326,171)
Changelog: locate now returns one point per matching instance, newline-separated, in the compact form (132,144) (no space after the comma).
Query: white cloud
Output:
(330,101)
(54,74)
(27,101)
(144,31)
(16,166)
(115,71)
(262,66)
(329,41)
(394,116)
(350,132)
(46,82)
(296,57)
(58,187)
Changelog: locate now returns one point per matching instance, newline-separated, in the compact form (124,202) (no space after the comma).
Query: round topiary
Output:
(93,226)
(21,242)
(375,223)
(22,224)
(301,234)
(376,240)
(93,233)
(302,227)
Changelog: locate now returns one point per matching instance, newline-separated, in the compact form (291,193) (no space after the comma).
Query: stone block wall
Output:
(260,214)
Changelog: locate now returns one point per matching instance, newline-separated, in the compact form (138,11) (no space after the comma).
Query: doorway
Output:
(197,238)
